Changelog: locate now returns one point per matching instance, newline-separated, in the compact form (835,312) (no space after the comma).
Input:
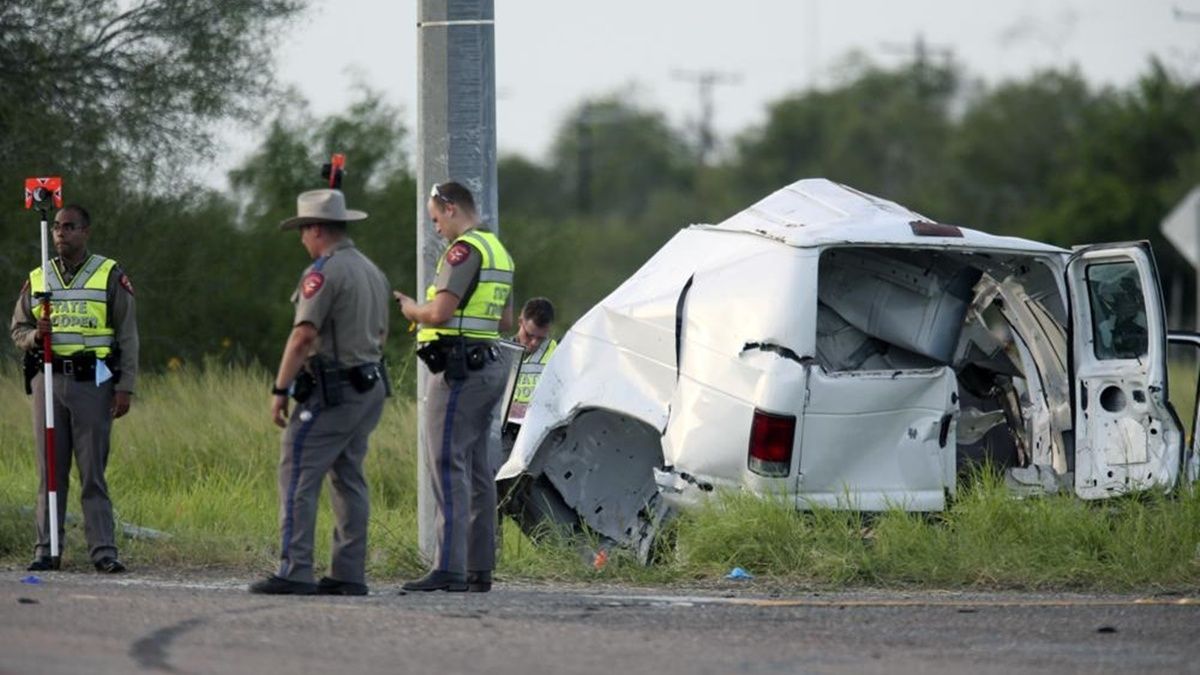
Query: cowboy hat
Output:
(321,206)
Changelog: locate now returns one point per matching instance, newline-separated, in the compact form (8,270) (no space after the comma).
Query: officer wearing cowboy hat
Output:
(332,366)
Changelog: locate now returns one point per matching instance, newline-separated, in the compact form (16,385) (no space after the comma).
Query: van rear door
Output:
(1126,436)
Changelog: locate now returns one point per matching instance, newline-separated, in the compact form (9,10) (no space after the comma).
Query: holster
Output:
(31,365)
(329,381)
(386,377)
(432,355)
(304,386)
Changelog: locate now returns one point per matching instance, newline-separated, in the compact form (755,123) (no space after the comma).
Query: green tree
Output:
(92,82)
(1012,147)
(286,163)
(120,98)
(610,156)
(881,131)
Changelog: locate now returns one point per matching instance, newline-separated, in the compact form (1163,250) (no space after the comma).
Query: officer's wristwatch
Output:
(278,391)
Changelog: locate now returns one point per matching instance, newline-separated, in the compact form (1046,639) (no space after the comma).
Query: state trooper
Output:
(332,365)
(465,308)
(94,341)
(533,333)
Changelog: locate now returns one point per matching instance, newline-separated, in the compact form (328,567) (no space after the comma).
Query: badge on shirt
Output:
(126,283)
(312,283)
(458,253)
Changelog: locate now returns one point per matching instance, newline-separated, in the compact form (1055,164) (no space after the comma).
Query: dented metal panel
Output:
(1127,438)
(875,440)
(900,351)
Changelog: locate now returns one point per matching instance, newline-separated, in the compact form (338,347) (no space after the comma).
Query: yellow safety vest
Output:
(478,317)
(532,366)
(79,310)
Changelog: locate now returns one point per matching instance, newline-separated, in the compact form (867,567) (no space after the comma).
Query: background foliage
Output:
(126,101)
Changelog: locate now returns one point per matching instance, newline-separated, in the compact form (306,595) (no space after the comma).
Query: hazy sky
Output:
(552,53)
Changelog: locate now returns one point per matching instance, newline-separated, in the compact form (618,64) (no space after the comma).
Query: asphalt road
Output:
(79,622)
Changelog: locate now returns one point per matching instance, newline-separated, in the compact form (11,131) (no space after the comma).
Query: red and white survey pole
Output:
(41,191)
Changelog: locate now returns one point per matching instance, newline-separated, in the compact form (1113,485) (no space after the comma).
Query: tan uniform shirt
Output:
(23,327)
(460,268)
(345,297)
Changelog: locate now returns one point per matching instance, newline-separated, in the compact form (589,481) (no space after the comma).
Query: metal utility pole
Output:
(922,61)
(705,81)
(591,116)
(456,140)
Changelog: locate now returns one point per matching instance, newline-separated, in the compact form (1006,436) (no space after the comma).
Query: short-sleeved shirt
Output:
(345,297)
(23,327)
(460,268)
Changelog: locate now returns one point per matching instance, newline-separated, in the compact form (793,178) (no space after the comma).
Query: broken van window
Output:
(1118,311)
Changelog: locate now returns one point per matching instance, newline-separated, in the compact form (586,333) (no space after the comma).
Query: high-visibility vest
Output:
(79,310)
(477,317)
(532,366)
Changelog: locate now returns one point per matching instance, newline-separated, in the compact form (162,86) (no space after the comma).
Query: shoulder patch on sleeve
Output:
(126,283)
(458,253)
(311,284)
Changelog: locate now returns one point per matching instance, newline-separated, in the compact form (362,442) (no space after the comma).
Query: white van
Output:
(841,350)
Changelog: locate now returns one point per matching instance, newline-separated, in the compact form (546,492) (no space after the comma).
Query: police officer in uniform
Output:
(332,365)
(533,333)
(465,309)
(93,336)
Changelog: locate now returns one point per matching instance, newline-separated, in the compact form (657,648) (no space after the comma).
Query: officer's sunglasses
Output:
(435,193)
(67,226)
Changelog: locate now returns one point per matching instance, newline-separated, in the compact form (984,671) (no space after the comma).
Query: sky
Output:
(551,54)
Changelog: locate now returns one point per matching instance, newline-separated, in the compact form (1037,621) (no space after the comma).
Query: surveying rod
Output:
(48,389)
(41,190)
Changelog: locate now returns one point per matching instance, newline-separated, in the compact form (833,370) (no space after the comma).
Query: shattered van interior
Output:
(840,350)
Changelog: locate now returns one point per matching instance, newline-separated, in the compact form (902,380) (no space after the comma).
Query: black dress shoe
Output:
(274,585)
(45,563)
(109,565)
(438,580)
(479,582)
(329,586)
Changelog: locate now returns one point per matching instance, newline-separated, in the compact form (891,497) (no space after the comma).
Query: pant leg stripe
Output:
(293,484)
(447,484)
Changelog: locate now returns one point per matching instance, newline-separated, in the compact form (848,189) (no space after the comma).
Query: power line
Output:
(706,81)
(1185,15)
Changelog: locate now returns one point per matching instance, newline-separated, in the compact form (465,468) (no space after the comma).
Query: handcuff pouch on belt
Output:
(456,357)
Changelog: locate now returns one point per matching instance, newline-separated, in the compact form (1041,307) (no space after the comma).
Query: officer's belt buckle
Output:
(68,367)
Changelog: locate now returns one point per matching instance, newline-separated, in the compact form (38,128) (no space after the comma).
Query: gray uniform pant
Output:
(458,424)
(323,440)
(82,422)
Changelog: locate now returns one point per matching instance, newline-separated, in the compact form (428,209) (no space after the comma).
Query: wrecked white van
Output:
(844,351)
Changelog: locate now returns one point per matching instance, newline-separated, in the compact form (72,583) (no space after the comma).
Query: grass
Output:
(197,456)
(986,539)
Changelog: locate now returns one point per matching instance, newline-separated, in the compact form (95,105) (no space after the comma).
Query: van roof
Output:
(817,212)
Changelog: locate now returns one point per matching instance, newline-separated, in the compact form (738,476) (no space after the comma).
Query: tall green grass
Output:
(985,539)
(196,458)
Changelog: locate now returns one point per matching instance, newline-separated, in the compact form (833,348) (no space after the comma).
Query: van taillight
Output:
(771,438)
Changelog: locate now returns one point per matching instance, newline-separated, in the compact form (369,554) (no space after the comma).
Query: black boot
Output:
(479,582)
(109,565)
(331,586)
(274,585)
(438,580)
(45,563)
